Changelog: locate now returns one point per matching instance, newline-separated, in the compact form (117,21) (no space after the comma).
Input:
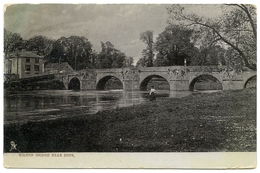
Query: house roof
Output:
(61,65)
(26,54)
(64,66)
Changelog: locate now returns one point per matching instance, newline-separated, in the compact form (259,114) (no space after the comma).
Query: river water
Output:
(48,104)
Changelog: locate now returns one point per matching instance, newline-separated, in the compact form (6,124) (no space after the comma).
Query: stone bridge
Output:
(137,78)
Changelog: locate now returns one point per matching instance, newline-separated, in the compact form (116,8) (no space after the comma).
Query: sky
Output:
(119,24)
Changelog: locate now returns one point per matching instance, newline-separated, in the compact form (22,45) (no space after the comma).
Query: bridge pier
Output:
(65,80)
(131,85)
(88,84)
(233,84)
(179,85)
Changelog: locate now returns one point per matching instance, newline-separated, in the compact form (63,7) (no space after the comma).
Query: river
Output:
(47,104)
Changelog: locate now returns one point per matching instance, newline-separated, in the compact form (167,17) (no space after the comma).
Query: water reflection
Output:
(48,103)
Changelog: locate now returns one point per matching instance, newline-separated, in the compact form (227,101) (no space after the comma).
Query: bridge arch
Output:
(101,83)
(144,82)
(248,80)
(205,76)
(74,84)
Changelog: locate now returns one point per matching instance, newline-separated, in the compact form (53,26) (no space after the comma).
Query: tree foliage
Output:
(212,55)
(110,57)
(236,29)
(75,50)
(174,45)
(40,44)
(12,42)
(148,52)
(161,60)
(129,61)
(141,63)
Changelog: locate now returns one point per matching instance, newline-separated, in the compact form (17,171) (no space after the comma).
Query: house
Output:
(24,64)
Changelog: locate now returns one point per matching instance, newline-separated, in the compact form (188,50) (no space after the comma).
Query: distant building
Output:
(24,64)
(59,68)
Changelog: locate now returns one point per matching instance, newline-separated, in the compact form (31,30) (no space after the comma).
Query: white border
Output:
(105,2)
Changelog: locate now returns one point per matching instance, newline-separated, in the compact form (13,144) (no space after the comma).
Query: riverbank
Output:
(16,86)
(201,122)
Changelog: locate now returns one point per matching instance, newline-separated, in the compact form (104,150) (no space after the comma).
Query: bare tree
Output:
(236,28)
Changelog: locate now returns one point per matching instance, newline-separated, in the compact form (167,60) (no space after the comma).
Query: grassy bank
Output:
(222,121)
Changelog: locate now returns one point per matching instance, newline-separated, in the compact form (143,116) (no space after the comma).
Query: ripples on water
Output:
(46,104)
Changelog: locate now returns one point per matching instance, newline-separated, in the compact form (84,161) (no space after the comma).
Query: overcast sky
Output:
(119,24)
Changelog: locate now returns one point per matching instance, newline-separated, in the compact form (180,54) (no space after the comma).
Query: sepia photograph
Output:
(129,85)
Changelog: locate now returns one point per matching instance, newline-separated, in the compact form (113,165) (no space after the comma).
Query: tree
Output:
(212,55)
(93,60)
(236,28)
(141,63)
(148,52)
(161,60)
(174,45)
(110,57)
(12,42)
(129,61)
(77,51)
(41,44)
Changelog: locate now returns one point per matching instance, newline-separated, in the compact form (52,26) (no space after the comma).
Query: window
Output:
(27,69)
(36,69)
(27,60)
(36,60)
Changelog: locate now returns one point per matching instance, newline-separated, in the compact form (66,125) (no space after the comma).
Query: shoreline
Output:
(118,98)
(200,122)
